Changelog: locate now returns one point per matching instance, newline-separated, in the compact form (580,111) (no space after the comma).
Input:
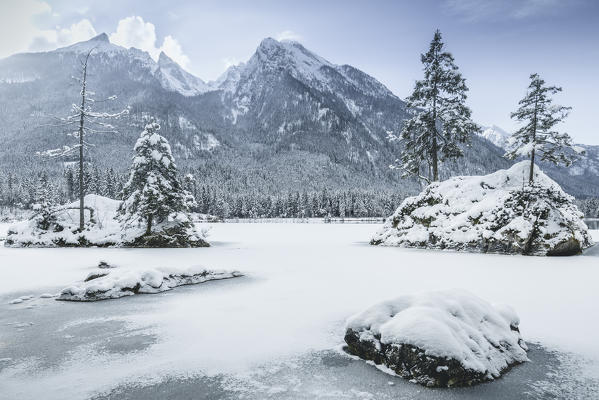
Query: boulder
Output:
(438,339)
(496,213)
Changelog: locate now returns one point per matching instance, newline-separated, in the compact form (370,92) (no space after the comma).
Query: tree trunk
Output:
(81,120)
(434,160)
(534,144)
(532,167)
(149,225)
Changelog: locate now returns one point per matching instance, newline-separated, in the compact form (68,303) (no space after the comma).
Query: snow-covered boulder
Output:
(104,284)
(438,339)
(495,213)
(102,229)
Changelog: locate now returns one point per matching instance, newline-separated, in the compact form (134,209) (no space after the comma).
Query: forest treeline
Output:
(21,192)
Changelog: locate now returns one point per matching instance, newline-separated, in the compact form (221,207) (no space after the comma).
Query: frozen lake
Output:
(276,332)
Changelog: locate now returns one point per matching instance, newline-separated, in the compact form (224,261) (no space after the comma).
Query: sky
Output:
(496,44)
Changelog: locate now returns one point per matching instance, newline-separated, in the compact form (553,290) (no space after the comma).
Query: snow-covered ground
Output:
(275,333)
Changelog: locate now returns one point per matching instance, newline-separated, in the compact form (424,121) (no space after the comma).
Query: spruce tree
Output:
(537,136)
(440,118)
(153,192)
(45,203)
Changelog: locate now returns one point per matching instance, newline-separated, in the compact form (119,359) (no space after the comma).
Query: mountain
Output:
(287,119)
(495,135)
(173,77)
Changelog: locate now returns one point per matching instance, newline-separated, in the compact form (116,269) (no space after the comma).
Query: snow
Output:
(449,324)
(302,282)
(174,78)
(207,142)
(464,212)
(496,135)
(105,230)
(102,284)
(303,65)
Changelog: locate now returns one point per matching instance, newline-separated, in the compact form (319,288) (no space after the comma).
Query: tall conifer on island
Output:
(537,135)
(440,118)
(154,198)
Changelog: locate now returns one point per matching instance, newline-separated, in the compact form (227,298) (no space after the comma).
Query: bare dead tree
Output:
(87,122)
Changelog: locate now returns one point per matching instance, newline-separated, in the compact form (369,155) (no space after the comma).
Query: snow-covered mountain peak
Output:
(173,77)
(496,135)
(100,43)
(164,60)
(288,55)
(102,37)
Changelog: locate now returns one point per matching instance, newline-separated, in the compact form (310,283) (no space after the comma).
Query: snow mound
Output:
(102,229)
(105,284)
(439,339)
(495,213)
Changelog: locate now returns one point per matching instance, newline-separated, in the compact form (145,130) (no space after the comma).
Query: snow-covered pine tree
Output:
(540,115)
(440,118)
(70,183)
(45,203)
(110,184)
(154,197)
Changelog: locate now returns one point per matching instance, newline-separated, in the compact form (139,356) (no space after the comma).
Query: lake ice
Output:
(276,332)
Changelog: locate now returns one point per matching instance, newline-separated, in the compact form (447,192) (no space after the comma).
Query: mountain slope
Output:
(287,119)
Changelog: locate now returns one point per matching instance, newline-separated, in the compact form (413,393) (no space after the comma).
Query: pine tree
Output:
(110,184)
(45,203)
(537,135)
(440,118)
(70,183)
(153,192)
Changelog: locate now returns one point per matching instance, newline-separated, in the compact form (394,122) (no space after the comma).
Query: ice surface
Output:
(303,281)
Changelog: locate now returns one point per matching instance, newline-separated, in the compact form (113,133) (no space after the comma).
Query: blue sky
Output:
(497,44)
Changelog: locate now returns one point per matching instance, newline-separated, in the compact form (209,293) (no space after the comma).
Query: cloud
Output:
(17,24)
(60,37)
(288,35)
(18,21)
(230,61)
(480,10)
(172,48)
(133,31)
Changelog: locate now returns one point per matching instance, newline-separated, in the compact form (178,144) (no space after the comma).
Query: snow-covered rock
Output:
(102,229)
(104,284)
(438,339)
(495,213)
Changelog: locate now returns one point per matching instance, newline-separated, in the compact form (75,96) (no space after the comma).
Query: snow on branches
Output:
(537,136)
(440,119)
(153,195)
